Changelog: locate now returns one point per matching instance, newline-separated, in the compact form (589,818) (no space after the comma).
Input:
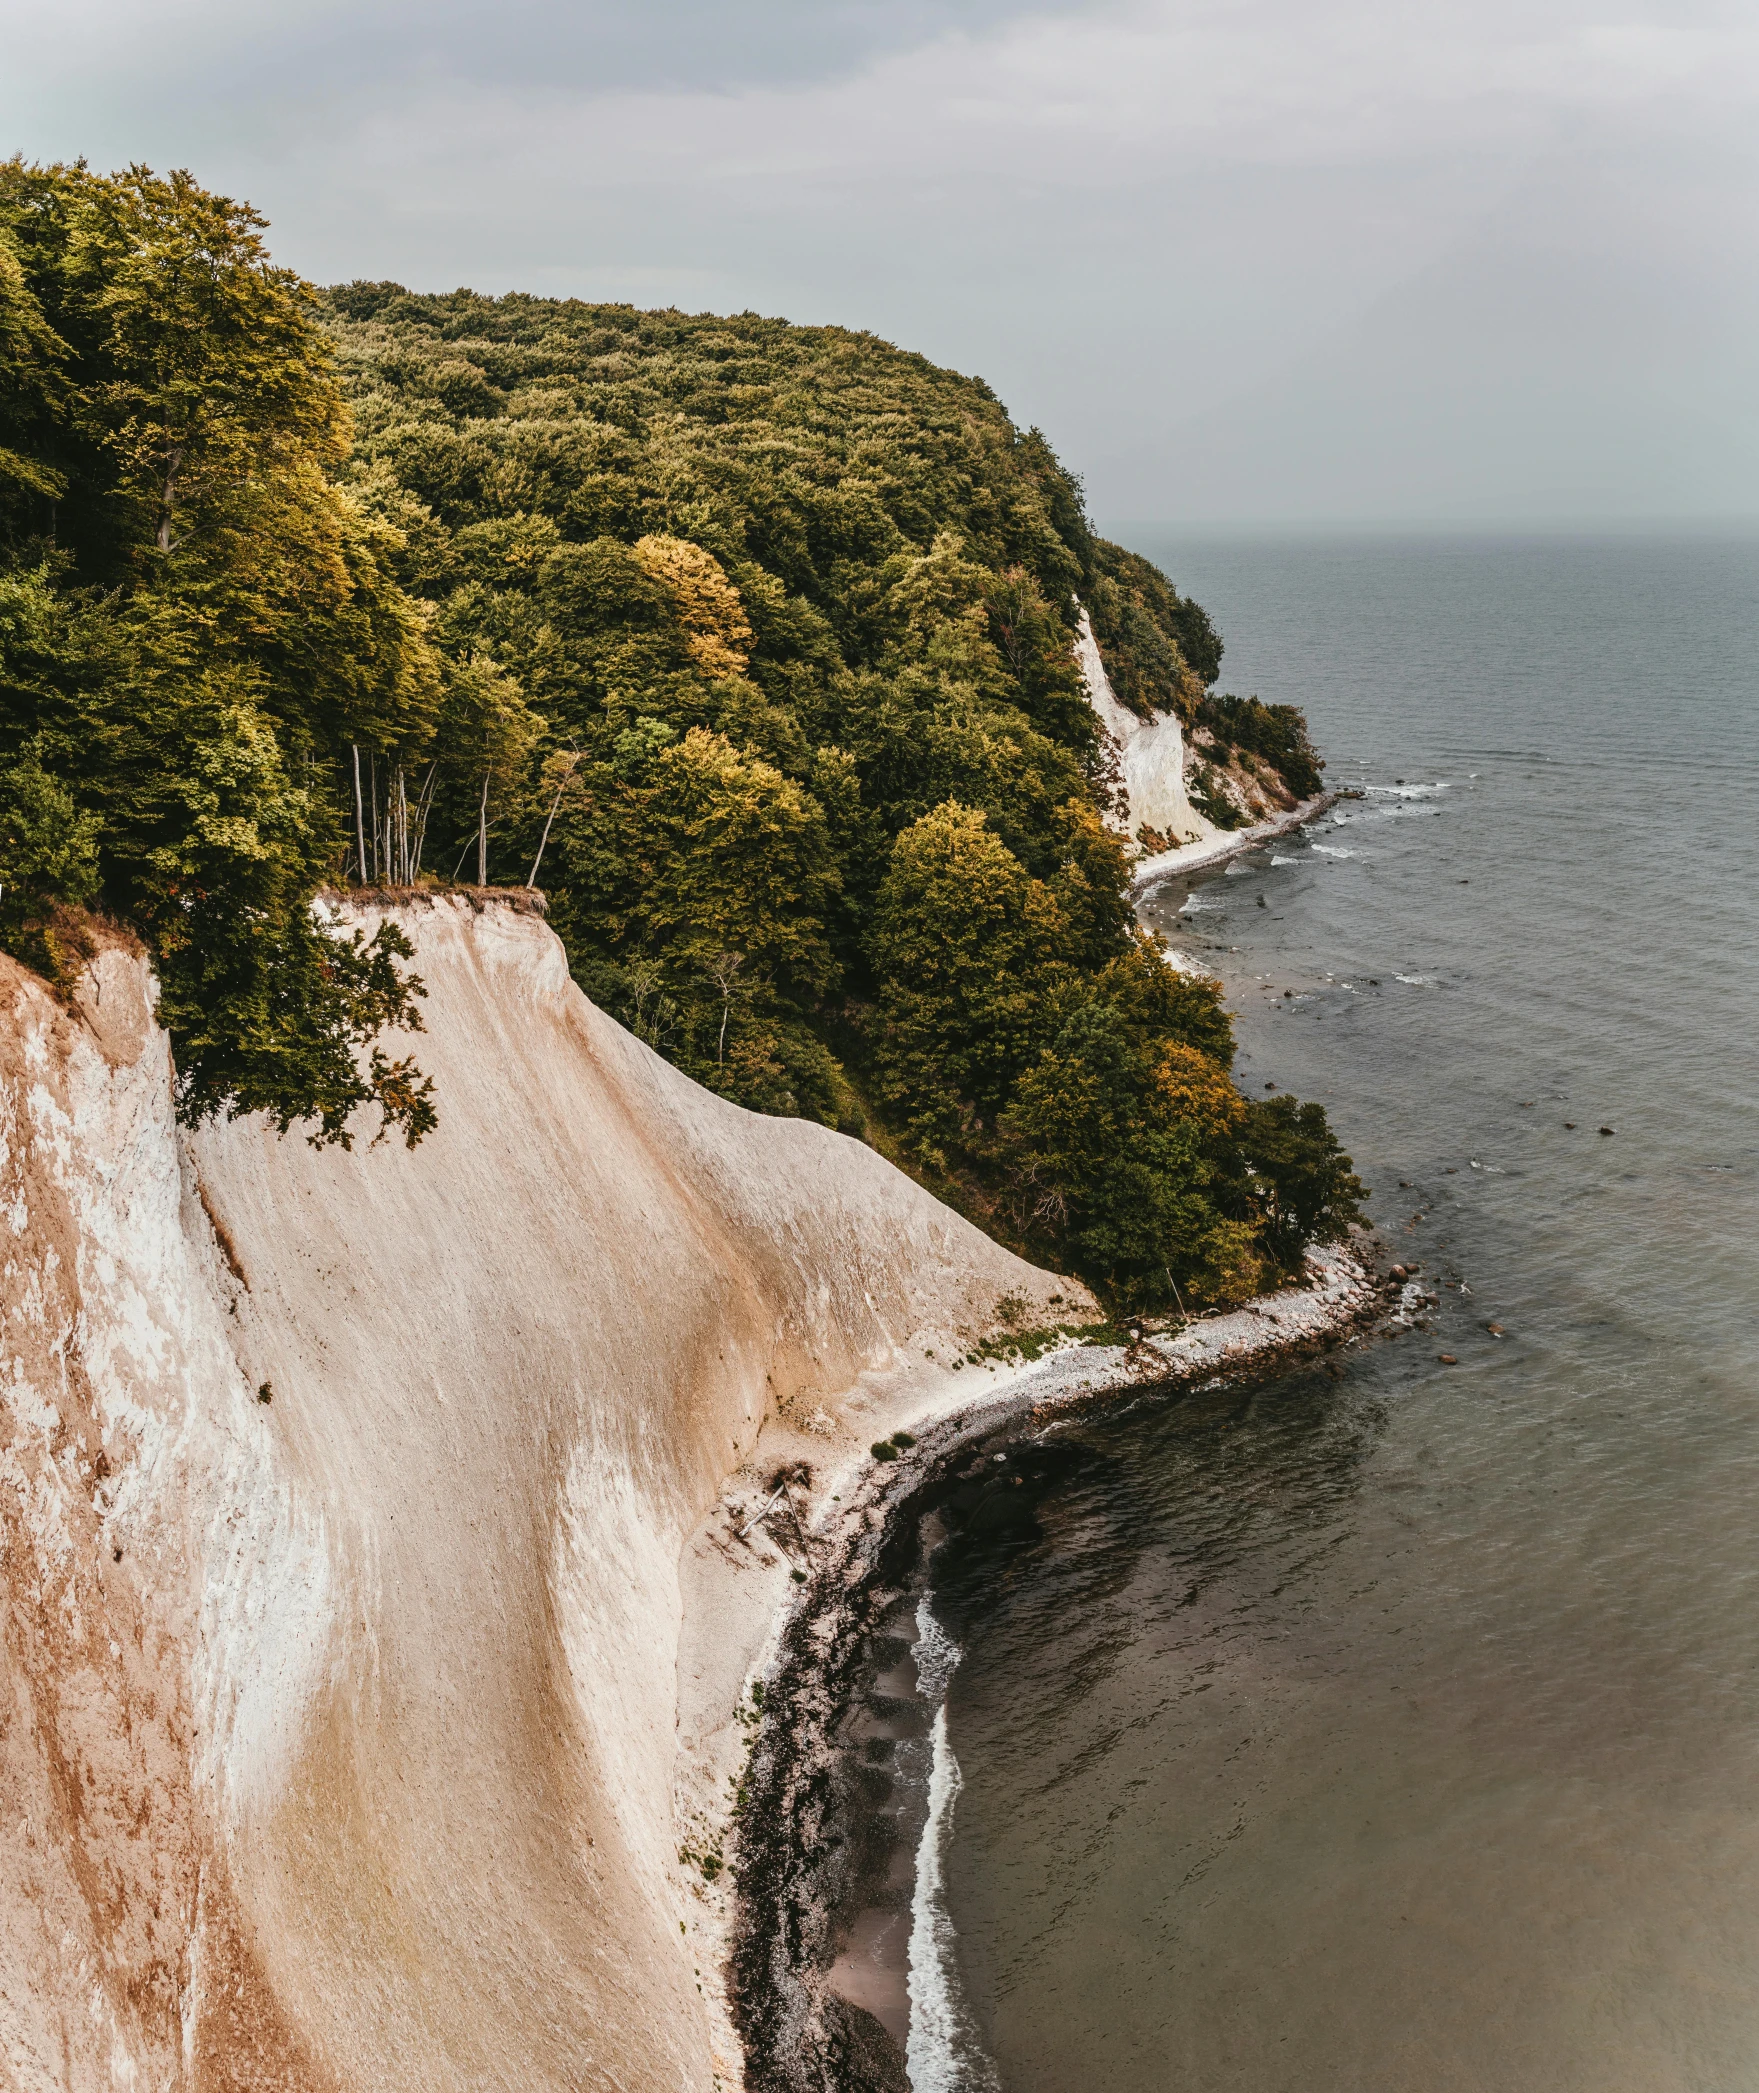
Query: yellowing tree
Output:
(717,631)
(1195,1088)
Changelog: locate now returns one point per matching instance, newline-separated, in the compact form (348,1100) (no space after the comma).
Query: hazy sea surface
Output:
(1401,1731)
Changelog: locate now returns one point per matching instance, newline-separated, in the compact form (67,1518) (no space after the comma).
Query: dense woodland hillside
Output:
(751,644)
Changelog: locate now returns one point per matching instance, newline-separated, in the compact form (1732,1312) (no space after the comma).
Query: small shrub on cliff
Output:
(1209,796)
(48,860)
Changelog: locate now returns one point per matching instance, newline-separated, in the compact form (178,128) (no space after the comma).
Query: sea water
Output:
(944,2050)
(1399,1728)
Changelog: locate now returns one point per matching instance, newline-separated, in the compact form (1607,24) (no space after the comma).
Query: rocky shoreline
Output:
(792,1859)
(1215,850)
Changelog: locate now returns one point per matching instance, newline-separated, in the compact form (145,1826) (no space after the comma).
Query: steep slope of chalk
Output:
(1150,755)
(1151,801)
(343,1497)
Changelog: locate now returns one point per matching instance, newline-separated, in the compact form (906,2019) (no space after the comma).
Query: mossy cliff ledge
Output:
(348,1510)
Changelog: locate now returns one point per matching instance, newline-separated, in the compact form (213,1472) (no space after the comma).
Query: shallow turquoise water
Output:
(1402,1730)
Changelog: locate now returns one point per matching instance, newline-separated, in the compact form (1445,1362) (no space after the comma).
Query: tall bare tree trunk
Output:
(423,805)
(359,816)
(545,837)
(482,835)
(166,498)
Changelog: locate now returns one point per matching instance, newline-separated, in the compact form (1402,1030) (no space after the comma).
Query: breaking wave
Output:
(943,2053)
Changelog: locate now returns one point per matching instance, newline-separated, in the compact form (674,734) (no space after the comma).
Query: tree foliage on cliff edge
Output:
(192,614)
(800,608)
(760,635)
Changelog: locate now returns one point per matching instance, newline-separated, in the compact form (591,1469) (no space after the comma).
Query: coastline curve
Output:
(1155,871)
(791,1859)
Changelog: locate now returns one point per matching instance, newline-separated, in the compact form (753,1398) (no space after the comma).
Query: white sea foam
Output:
(936,1654)
(1415,980)
(1333,850)
(942,2053)
(1285,861)
(1409,791)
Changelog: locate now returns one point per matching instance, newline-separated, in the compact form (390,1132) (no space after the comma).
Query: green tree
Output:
(967,945)
(1110,1168)
(695,886)
(1278,733)
(33,394)
(191,612)
(206,374)
(48,861)
(859,582)
(1300,1177)
(484,740)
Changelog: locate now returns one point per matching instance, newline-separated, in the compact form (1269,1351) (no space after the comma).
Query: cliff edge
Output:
(343,1498)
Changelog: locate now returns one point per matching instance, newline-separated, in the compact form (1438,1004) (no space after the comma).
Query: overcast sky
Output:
(1280,261)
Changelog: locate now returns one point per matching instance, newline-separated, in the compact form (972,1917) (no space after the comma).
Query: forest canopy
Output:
(751,644)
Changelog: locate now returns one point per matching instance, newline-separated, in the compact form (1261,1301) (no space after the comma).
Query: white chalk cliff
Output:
(345,1501)
(1148,791)
(1150,756)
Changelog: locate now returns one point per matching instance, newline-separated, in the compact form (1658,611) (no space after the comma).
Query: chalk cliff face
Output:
(342,1498)
(1150,756)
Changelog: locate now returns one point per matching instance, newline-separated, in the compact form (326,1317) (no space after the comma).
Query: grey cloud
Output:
(219,70)
(1347,259)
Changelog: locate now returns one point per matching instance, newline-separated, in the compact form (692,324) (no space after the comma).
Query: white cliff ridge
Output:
(1150,794)
(347,1504)
(1150,755)
(388,1540)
